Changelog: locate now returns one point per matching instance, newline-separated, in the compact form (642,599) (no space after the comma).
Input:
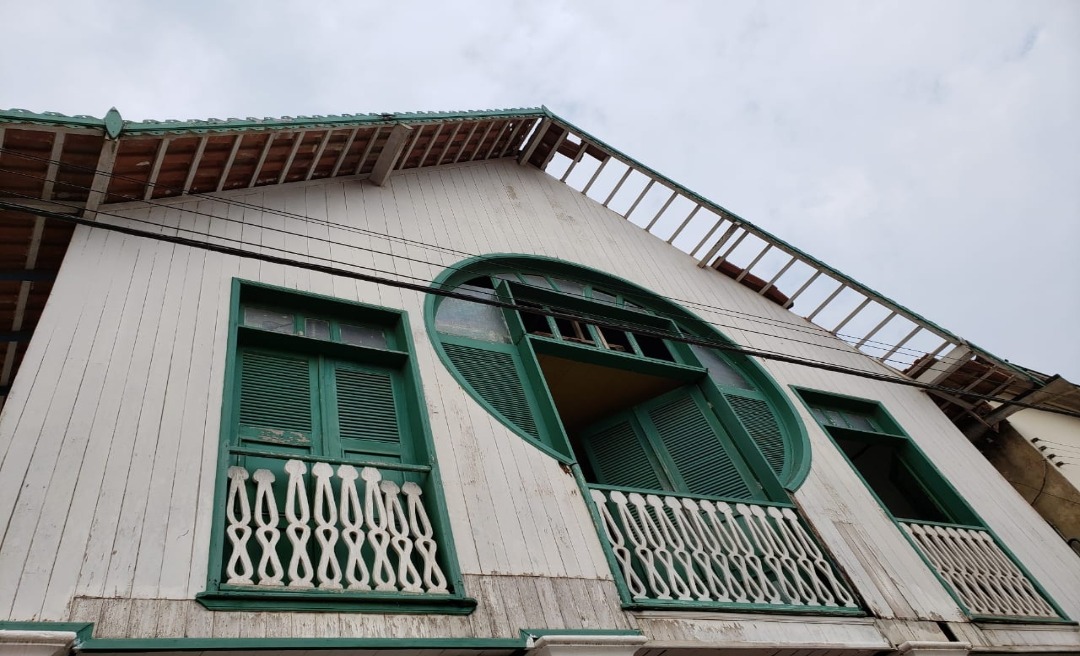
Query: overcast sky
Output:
(931,150)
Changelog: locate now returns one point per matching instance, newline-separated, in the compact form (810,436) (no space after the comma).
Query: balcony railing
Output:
(674,550)
(331,527)
(984,578)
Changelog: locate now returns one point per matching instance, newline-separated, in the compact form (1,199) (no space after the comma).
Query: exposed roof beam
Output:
(947,365)
(395,144)
(522,124)
(159,157)
(297,140)
(779,274)
(670,200)
(407,153)
(595,175)
(449,142)
(229,162)
(20,303)
(753,263)
(490,125)
(1056,386)
(262,159)
(367,150)
(899,345)
(102,177)
(502,131)
(431,144)
(54,165)
(195,161)
(465,144)
(711,253)
(318,154)
(344,152)
(530,148)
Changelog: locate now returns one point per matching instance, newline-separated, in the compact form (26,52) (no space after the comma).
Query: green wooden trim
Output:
(221,597)
(395,466)
(688,495)
(784,609)
(601,533)
(795,438)
(236,598)
(150,645)
(614,359)
(940,490)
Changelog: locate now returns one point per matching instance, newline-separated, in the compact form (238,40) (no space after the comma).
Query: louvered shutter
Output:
(276,399)
(759,422)
(693,443)
(494,376)
(619,456)
(365,411)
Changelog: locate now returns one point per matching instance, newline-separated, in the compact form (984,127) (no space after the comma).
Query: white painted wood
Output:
(144,325)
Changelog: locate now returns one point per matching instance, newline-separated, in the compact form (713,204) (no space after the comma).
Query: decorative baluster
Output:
(656,542)
(378,537)
(787,569)
(1011,578)
(298,531)
(674,537)
(238,512)
(718,545)
(645,554)
(407,575)
(352,519)
(423,535)
(268,534)
(618,546)
(326,530)
(831,591)
(758,586)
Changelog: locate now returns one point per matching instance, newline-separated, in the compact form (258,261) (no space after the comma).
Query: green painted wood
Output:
(619,456)
(276,391)
(366,408)
(493,375)
(695,444)
(758,420)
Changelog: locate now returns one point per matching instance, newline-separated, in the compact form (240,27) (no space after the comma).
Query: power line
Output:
(644,330)
(580,315)
(723,311)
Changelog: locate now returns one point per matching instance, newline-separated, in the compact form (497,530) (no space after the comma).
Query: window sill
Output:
(233,598)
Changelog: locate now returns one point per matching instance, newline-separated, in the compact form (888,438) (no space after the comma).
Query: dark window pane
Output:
(886,474)
(653,347)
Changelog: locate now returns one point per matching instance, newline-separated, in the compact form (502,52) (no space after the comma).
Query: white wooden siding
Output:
(109,437)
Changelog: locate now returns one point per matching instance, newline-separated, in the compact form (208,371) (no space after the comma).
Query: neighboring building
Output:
(1038,451)
(469,384)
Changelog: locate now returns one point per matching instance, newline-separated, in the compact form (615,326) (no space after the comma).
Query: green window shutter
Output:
(618,457)
(494,376)
(276,398)
(366,409)
(694,446)
(759,422)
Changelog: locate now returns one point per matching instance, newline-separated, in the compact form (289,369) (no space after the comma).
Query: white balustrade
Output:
(365,529)
(696,550)
(987,581)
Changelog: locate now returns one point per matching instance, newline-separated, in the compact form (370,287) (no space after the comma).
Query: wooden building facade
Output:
(469,384)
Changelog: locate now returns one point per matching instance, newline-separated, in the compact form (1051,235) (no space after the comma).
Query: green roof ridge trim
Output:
(198,126)
(290,122)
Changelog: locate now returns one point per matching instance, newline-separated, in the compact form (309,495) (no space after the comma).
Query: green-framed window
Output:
(329,497)
(985,579)
(582,351)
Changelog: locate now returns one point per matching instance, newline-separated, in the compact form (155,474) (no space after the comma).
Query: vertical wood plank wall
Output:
(109,437)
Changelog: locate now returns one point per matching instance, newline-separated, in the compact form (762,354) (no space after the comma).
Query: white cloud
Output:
(928,149)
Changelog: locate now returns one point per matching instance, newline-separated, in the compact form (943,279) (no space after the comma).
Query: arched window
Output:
(583,366)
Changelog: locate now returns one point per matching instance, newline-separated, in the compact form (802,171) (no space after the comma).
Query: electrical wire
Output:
(577,313)
(421,288)
(274,211)
(735,314)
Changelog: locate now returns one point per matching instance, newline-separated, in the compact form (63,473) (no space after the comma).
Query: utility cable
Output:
(425,289)
(722,311)
(274,211)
